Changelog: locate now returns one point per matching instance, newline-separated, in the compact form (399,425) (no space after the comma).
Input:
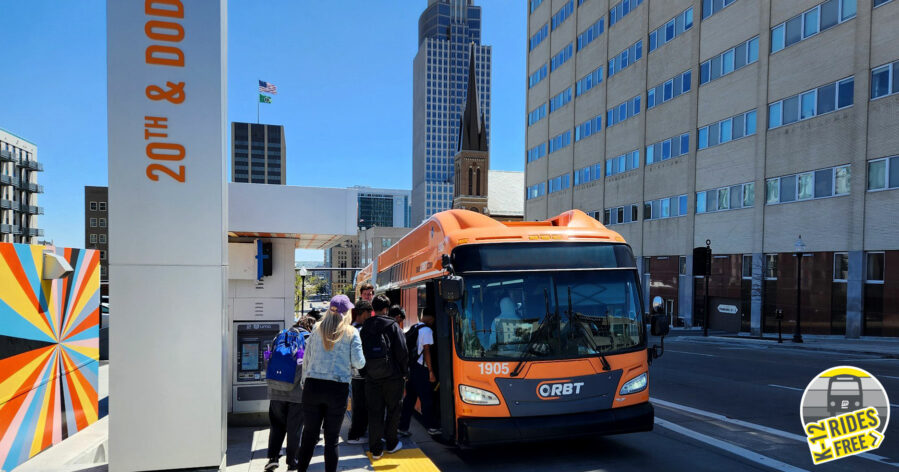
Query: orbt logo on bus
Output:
(555,389)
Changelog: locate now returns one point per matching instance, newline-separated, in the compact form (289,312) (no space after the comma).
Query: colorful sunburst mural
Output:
(49,334)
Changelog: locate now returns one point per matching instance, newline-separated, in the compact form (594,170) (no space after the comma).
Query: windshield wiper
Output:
(591,343)
(532,341)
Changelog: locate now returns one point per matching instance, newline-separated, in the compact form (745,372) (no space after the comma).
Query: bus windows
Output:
(501,312)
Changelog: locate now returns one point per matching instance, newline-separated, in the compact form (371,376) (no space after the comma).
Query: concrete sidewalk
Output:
(874,346)
(86,451)
(247,447)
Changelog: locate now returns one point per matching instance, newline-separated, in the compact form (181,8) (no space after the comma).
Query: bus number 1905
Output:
(494,368)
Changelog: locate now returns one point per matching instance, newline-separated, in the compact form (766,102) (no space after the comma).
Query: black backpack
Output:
(377,350)
(412,343)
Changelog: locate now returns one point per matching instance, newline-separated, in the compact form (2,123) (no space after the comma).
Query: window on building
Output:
(824,99)
(102,206)
(840,267)
(93,239)
(667,149)
(621,9)
(93,222)
(885,80)
(811,22)
(102,222)
(682,265)
(102,255)
(102,239)
(646,262)
(93,206)
(670,30)
(625,58)
(729,61)
(668,207)
(883,173)
(710,7)
(874,267)
(747,266)
(590,34)
(771,266)
(828,182)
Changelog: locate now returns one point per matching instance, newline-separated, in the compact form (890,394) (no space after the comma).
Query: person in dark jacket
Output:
(285,411)
(359,424)
(384,385)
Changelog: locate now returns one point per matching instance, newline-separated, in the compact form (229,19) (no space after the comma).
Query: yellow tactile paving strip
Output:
(405,460)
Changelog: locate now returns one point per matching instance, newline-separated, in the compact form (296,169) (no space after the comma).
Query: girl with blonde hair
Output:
(332,351)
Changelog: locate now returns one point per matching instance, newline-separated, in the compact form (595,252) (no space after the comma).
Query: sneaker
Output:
(272,465)
(361,440)
(399,445)
(433,431)
(403,432)
(375,457)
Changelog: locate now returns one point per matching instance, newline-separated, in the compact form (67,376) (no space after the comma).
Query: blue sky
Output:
(343,70)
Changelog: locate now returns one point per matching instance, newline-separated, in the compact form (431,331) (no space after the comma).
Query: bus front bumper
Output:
(482,431)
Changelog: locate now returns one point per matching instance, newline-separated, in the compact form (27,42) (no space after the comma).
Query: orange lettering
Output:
(165,56)
(156,151)
(152,7)
(156,122)
(173,32)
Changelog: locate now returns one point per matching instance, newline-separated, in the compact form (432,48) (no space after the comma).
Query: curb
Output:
(790,345)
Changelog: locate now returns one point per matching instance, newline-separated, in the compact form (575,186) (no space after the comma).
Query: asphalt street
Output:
(719,406)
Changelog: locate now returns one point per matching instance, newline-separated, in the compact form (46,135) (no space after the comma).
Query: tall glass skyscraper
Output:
(446,30)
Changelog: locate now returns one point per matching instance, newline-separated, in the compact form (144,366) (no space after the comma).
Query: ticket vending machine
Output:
(251,340)
(258,308)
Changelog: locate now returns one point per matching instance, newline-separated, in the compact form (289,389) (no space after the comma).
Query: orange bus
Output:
(540,328)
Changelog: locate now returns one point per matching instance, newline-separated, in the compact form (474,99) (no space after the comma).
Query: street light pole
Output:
(797,334)
(303,273)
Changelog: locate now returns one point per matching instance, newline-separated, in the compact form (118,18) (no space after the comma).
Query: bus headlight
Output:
(477,396)
(634,385)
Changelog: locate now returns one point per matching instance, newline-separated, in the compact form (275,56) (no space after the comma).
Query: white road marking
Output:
(731,448)
(687,352)
(758,427)
(788,388)
(887,376)
(878,359)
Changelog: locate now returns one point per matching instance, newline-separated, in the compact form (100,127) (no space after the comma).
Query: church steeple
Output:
(472,129)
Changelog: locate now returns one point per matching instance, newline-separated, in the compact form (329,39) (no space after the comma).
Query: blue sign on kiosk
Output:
(261,256)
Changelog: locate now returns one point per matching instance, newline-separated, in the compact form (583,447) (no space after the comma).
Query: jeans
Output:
(383,396)
(418,388)
(359,425)
(323,401)
(286,418)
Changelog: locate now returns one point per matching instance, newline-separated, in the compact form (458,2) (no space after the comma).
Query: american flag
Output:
(268,87)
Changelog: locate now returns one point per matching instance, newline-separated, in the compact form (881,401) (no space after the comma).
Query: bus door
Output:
(444,312)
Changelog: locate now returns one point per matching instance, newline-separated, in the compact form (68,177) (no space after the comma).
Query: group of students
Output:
(360,348)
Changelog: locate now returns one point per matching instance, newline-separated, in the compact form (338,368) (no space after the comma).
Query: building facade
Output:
(744,122)
(343,254)
(382,207)
(258,153)
(96,225)
(19,190)
(374,241)
(446,30)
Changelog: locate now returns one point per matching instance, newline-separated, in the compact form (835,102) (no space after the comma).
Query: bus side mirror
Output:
(450,288)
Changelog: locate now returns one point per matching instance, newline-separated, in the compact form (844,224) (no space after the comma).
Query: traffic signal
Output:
(702,261)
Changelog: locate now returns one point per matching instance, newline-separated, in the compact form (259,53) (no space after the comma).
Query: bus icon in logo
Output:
(844,394)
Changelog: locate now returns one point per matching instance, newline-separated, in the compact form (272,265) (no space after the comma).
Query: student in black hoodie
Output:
(387,366)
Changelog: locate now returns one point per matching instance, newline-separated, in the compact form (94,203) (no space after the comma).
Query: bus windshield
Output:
(504,315)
